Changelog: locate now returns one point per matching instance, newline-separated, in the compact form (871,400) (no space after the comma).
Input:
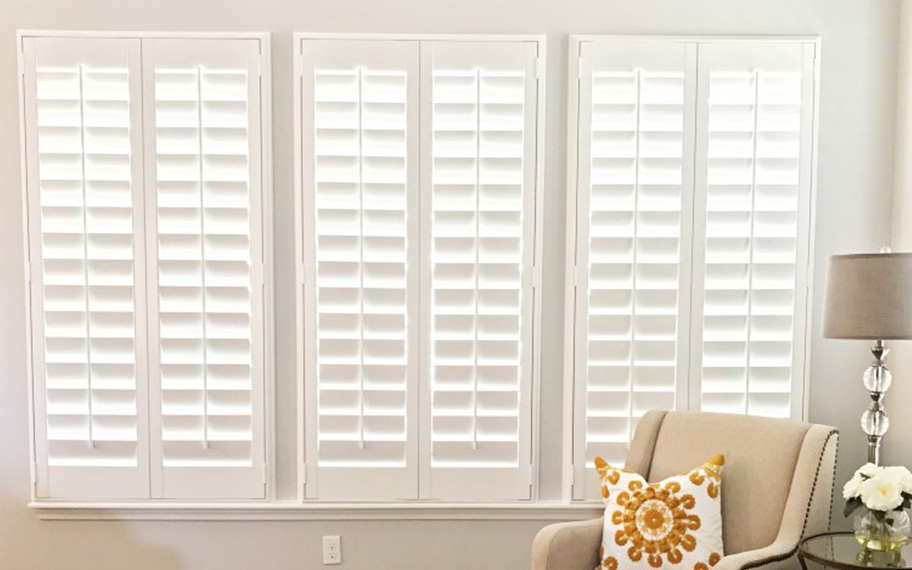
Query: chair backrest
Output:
(760,459)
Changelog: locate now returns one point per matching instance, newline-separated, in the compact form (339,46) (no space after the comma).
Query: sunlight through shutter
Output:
(82,103)
(635,186)
(753,189)
(206,266)
(479,116)
(359,112)
(694,176)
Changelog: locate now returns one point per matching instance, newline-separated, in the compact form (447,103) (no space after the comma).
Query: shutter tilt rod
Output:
(477,251)
(361,444)
(85,251)
(633,273)
(202,206)
(750,243)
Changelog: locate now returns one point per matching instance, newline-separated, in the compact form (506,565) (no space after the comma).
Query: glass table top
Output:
(841,550)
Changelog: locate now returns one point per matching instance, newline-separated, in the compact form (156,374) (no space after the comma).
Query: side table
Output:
(841,551)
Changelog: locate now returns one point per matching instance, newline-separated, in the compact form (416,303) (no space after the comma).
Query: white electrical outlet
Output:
(332,550)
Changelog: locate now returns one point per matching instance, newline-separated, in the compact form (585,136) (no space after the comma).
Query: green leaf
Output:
(850,506)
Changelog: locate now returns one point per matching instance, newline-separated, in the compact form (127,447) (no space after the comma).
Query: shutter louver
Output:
(359,135)
(754,188)
(205,265)
(635,182)
(478,224)
(82,100)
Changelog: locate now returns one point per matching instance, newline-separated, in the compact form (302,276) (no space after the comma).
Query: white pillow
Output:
(675,523)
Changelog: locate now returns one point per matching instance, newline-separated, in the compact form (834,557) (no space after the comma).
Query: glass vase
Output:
(884,531)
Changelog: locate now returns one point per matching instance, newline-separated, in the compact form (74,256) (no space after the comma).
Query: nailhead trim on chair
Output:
(807,511)
(833,489)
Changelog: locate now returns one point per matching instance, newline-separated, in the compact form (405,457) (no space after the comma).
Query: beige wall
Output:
(857,112)
(897,445)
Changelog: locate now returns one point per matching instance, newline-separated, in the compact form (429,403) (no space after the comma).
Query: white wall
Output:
(857,112)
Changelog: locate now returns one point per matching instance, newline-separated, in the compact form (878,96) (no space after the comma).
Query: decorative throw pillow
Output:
(673,524)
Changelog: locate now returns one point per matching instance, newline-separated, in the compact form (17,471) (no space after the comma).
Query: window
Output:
(418,253)
(418,169)
(689,233)
(145,198)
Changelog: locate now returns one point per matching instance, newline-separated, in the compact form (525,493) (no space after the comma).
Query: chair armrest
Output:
(568,546)
(807,510)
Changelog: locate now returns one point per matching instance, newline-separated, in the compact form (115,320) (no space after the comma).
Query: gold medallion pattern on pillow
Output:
(675,523)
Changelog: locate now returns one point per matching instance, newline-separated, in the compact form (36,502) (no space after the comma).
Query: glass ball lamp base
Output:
(877,380)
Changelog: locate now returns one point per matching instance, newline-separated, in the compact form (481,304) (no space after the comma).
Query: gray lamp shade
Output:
(869,296)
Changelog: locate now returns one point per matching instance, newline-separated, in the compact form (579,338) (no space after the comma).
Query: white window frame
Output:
(266,223)
(805,280)
(303,308)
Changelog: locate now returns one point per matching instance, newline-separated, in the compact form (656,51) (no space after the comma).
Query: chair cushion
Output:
(675,523)
(760,454)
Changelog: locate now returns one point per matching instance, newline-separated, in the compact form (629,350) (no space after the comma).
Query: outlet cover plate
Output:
(332,550)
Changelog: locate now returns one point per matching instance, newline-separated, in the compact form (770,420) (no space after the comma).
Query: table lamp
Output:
(869,297)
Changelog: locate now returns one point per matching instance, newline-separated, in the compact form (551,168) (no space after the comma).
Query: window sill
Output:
(294,511)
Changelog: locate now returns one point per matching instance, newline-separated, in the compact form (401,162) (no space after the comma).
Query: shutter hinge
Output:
(20,57)
(579,68)
(569,475)
(261,274)
(28,271)
(302,480)
(298,65)
(300,275)
(539,68)
(577,275)
(35,479)
(536,276)
(264,473)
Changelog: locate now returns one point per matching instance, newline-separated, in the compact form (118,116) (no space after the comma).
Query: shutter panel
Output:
(205,259)
(82,104)
(753,195)
(359,116)
(635,186)
(478,147)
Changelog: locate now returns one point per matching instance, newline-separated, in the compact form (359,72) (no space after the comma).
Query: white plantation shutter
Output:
(417,341)
(692,214)
(478,147)
(634,193)
(751,239)
(82,102)
(359,115)
(205,259)
(146,291)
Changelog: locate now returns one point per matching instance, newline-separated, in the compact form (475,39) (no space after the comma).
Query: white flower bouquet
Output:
(885,493)
(881,489)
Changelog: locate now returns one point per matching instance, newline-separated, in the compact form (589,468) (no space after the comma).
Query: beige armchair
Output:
(777,486)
